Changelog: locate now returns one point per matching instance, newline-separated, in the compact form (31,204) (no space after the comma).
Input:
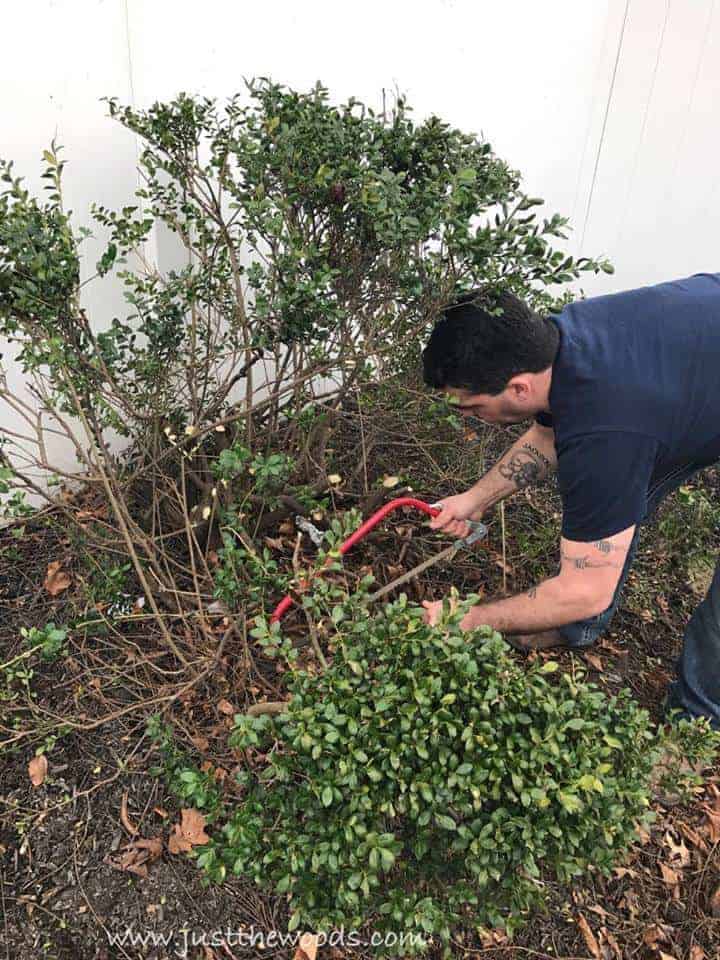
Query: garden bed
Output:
(68,880)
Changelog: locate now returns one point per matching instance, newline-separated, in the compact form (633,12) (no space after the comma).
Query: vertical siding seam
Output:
(604,126)
(691,101)
(643,125)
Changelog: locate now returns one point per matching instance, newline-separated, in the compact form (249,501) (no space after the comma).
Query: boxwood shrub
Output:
(429,779)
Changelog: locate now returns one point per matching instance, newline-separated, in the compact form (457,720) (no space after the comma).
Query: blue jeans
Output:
(696,691)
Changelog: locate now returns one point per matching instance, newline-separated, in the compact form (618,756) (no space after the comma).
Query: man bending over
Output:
(623,391)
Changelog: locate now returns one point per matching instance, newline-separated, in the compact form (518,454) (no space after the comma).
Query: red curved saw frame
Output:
(361,532)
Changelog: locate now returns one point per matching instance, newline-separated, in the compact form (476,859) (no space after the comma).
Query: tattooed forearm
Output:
(584,563)
(525,467)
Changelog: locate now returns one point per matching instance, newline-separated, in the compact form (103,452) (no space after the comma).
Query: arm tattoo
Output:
(525,467)
(583,563)
(604,546)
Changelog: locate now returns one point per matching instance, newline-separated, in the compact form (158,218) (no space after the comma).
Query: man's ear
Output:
(520,387)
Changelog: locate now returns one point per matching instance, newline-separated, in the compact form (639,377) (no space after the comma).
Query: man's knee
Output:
(584,633)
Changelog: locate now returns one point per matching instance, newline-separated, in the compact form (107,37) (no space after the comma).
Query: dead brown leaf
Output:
(594,661)
(670,877)
(190,832)
(37,768)
(56,580)
(612,648)
(589,937)
(600,911)
(653,935)
(275,543)
(137,856)
(224,706)
(307,950)
(200,743)
(697,952)
(693,836)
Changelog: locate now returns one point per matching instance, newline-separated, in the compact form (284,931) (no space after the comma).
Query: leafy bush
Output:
(318,243)
(428,779)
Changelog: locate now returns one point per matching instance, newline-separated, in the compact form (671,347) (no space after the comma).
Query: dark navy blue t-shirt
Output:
(635,393)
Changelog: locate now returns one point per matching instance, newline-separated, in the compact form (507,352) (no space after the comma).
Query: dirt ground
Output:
(64,894)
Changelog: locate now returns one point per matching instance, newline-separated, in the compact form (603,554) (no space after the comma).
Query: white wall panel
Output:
(608,107)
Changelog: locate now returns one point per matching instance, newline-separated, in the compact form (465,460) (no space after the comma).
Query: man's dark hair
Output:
(483,339)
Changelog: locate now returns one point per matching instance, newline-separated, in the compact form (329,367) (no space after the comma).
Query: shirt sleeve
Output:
(603,480)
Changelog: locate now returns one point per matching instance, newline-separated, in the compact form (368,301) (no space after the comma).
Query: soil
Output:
(63,893)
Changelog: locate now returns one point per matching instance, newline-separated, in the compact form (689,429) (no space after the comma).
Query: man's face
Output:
(492,408)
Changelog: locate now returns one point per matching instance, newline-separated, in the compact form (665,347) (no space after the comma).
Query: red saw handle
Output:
(362,531)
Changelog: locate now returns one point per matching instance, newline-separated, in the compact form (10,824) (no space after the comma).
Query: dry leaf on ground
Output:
(594,661)
(307,950)
(224,706)
(190,832)
(589,937)
(136,856)
(693,836)
(56,579)
(37,768)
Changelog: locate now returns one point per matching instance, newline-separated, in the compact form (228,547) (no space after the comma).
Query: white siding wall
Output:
(608,107)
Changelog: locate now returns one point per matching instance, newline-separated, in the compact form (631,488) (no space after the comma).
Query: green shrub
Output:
(428,779)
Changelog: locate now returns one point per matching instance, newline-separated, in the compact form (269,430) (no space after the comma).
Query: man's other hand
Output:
(433,609)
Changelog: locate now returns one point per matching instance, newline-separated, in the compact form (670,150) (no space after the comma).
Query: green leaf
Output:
(570,801)
(387,857)
(447,823)
(327,796)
